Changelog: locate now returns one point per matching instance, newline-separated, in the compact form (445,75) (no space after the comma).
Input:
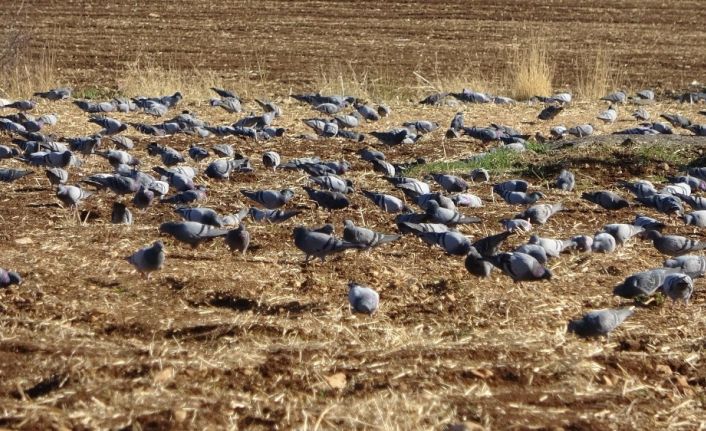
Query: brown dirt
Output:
(293,42)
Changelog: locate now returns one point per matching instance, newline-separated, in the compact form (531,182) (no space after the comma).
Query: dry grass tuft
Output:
(595,75)
(23,68)
(530,73)
(144,77)
(375,86)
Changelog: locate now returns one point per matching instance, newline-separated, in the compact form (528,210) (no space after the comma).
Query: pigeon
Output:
(511,186)
(370,154)
(385,168)
(676,189)
(608,116)
(229,104)
(582,243)
(516,225)
(319,244)
(476,264)
(488,246)
(269,106)
(677,120)
(55,94)
(238,239)
(148,259)
(118,157)
(536,251)
(553,247)
(603,243)
(645,95)
(479,174)
(467,200)
(453,243)
(225,93)
(423,199)
(558,132)
(450,183)
(643,283)
(599,322)
(271,159)
(648,223)
(57,176)
(540,213)
(143,198)
(8,175)
(333,183)
(640,189)
(641,114)
(117,184)
(606,200)
(622,232)
(120,214)
(270,199)
(520,267)
(410,183)
(325,128)
(362,299)
(436,214)
(328,199)
(521,198)
(205,216)
(565,181)
(421,127)
(664,203)
(673,245)
(272,216)
(617,97)
(197,153)
(367,237)
(397,136)
(7,152)
(191,232)
(693,266)
(110,126)
(21,105)
(580,130)
(8,278)
(367,112)
(418,229)
(434,99)
(71,196)
(678,287)
(387,203)
(550,112)
(697,129)
(186,197)
(696,218)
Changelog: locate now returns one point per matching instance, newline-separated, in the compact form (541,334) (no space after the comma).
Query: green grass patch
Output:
(663,153)
(95,93)
(496,161)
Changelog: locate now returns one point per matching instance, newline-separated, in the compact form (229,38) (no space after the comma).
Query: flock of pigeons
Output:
(435,223)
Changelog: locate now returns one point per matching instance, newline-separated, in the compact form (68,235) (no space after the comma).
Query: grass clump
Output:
(596,75)
(146,78)
(530,73)
(24,69)
(500,160)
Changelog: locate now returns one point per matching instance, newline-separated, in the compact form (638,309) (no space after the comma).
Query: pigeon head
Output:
(687,218)
(575,326)
(159,245)
(14,277)
(288,194)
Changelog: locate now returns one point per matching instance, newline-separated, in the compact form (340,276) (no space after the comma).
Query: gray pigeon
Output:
(622,232)
(521,267)
(696,218)
(678,287)
(606,200)
(436,214)
(673,245)
(479,174)
(580,130)
(693,266)
(641,114)
(600,322)
(191,232)
(148,259)
(640,188)
(367,237)
(608,116)
(643,283)
(450,183)
(271,160)
(8,278)
(388,203)
(617,97)
(270,199)
(238,239)
(362,299)
(8,175)
(603,243)
(648,223)
(200,215)
(467,200)
(186,197)
(476,264)
(452,242)
(540,213)
(370,154)
(536,251)
(516,225)
(236,218)
(328,199)
(565,181)
(488,246)
(333,183)
(319,244)
(583,243)
(120,214)
(110,126)
(57,176)
(521,198)
(143,198)
(272,216)
(55,94)
(511,186)
(553,247)
(230,104)
(550,112)
(71,196)
(418,229)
